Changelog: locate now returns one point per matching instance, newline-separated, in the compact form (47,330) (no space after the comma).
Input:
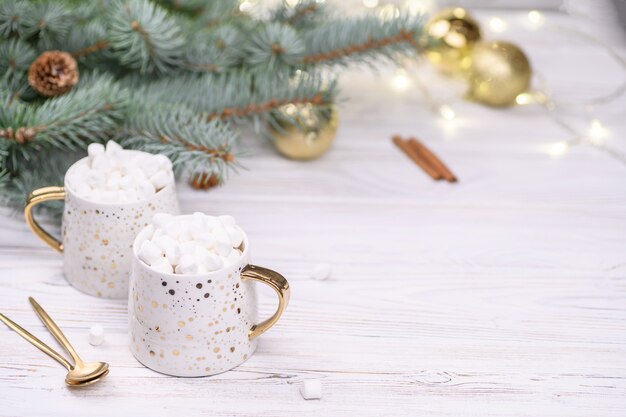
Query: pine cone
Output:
(204,181)
(53,73)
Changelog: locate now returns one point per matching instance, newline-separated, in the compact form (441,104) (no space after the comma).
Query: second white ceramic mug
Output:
(198,325)
(97,238)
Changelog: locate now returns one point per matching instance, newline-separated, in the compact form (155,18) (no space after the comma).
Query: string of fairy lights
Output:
(596,132)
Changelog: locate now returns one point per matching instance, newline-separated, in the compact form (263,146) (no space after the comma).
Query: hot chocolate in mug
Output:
(201,324)
(97,237)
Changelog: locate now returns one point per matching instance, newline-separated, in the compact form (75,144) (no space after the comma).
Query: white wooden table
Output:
(504,294)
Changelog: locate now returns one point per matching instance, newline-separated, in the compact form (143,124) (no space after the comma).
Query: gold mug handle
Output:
(39,196)
(278,284)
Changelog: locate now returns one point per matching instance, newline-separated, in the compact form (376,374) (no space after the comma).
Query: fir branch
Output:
(215,13)
(241,95)
(145,37)
(193,143)
(273,46)
(99,45)
(215,51)
(48,24)
(361,40)
(13,17)
(40,171)
(15,56)
(90,112)
(303,15)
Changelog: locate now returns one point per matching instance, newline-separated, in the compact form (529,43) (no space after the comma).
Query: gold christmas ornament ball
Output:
(448,39)
(500,71)
(310,138)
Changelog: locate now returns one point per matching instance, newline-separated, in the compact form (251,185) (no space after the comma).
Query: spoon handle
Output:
(35,341)
(55,330)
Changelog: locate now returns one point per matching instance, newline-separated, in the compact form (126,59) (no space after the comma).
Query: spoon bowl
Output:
(81,383)
(82,372)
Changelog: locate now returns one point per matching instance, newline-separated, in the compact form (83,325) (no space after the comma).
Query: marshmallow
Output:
(184,235)
(113,182)
(198,229)
(164,162)
(212,222)
(145,189)
(173,254)
(127,182)
(113,148)
(311,389)
(228,221)
(149,166)
(149,252)
(208,260)
(95,178)
(95,149)
(187,265)
(223,245)
(163,241)
(233,257)
(161,179)
(101,163)
(96,335)
(188,248)
(136,174)
(321,272)
(235,235)
(162,265)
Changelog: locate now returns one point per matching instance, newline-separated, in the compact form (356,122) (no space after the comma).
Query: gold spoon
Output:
(81,371)
(79,374)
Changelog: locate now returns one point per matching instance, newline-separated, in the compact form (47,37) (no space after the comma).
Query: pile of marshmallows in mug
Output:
(115,175)
(191,244)
(171,244)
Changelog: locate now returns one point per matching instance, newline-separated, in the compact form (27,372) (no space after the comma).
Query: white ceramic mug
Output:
(97,237)
(198,325)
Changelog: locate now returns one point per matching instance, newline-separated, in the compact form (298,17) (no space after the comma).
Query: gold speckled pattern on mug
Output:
(98,239)
(191,325)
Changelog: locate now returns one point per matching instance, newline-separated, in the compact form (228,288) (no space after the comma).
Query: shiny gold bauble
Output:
(449,37)
(499,72)
(310,137)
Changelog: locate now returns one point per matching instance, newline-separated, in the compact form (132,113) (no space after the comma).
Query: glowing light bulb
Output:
(557,149)
(400,82)
(418,7)
(370,4)
(245,6)
(597,132)
(447,112)
(536,18)
(524,98)
(497,25)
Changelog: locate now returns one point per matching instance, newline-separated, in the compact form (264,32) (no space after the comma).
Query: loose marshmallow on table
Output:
(193,244)
(321,272)
(96,335)
(311,389)
(114,175)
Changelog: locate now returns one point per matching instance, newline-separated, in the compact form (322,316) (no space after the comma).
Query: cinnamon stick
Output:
(432,160)
(416,157)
